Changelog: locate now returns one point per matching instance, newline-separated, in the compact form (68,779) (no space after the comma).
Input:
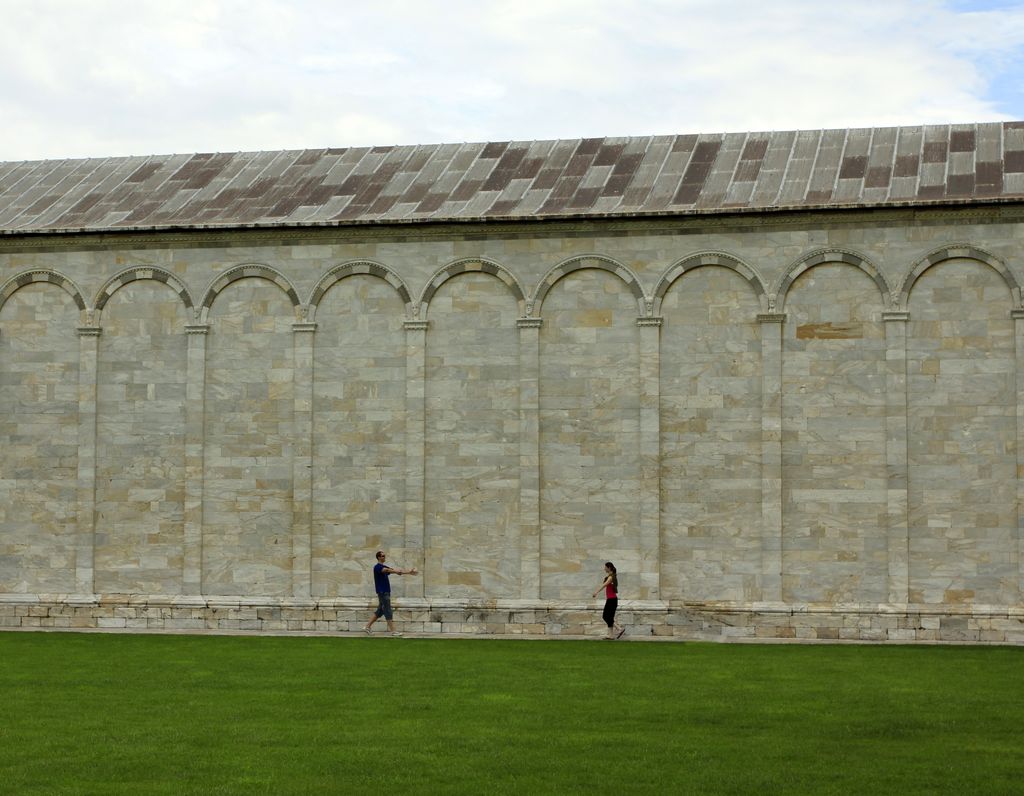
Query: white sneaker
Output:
(396,635)
(367,631)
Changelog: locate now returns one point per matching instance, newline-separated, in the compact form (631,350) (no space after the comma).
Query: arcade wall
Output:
(798,414)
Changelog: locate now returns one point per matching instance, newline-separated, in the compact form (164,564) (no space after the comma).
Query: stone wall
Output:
(806,416)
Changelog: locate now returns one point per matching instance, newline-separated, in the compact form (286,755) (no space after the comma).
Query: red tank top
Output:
(609,591)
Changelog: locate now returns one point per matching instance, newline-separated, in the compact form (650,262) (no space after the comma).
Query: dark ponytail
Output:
(615,576)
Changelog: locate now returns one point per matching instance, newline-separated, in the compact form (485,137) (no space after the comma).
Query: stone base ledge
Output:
(668,620)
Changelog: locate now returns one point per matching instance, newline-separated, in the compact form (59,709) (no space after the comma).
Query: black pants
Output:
(609,611)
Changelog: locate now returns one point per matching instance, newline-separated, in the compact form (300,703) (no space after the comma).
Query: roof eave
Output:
(916,204)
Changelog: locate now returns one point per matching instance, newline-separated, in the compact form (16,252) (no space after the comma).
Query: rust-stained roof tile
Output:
(960,185)
(1014,162)
(607,154)
(962,141)
(431,202)
(935,151)
(702,159)
(495,149)
(881,160)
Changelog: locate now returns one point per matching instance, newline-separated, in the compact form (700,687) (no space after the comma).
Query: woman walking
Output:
(610,584)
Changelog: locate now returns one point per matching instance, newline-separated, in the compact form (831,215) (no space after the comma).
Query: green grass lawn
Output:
(142,714)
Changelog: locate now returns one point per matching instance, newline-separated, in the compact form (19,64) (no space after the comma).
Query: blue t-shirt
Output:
(380,579)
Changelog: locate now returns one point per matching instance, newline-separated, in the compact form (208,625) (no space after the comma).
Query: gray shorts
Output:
(383,605)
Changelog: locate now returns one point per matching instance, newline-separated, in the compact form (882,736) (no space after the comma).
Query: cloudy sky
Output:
(85,78)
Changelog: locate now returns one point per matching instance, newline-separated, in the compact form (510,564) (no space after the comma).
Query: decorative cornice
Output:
(197,328)
(1017,315)
(649,320)
(304,326)
(771,317)
(415,326)
(89,331)
(529,323)
(894,315)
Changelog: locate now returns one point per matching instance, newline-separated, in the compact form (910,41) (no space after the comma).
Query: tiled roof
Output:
(520,180)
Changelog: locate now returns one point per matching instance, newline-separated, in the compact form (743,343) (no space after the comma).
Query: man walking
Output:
(381,571)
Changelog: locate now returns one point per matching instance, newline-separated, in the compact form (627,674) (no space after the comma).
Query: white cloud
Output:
(145,76)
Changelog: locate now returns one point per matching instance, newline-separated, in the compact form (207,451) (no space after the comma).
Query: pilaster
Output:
(772,327)
(85,536)
(896,455)
(529,456)
(302,461)
(1018,328)
(195,398)
(650,457)
(415,450)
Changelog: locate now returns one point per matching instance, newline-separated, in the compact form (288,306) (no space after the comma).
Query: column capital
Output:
(896,316)
(650,320)
(529,323)
(197,328)
(1017,314)
(771,317)
(415,326)
(304,326)
(89,331)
